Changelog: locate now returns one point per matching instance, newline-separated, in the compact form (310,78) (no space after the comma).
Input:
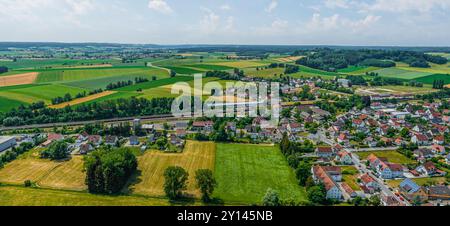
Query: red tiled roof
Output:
(429,166)
(54,136)
(347,188)
(324,149)
(202,123)
(421,137)
(366,178)
(395,167)
(323,176)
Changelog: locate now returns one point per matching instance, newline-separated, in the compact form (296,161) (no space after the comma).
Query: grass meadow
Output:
(245,172)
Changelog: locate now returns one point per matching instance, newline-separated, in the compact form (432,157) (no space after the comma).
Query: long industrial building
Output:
(6,143)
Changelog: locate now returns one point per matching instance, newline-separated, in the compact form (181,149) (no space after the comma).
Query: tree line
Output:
(3,69)
(332,60)
(236,75)
(12,154)
(438,84)
(39,114)
(111,86)
(107,171)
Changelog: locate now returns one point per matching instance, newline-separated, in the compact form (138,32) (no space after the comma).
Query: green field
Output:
(401,73)
(49,76)
(157,83)
(210,67)
(431,78)
(446,55)
(101,83)
(8,104)
(95,73)
(271,73)
(20,196)
(184,70)
(245,172)
(115,96)
(32,94)
(48,63)
(358,70)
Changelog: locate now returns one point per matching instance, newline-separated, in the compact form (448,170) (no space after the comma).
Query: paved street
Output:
(320,136)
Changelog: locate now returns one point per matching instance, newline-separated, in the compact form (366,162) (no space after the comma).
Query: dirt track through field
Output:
(20,79)
(83,100)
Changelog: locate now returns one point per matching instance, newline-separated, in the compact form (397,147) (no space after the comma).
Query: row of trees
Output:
(68,97)
(357,80)
(3,69)
(57,151)
(236,75)
(334,87)
(107,171)
(120,84)
(291,69)
(38,114)
(383,81)
(176,179)
(333,60)
(438,84)
(12,154)
(344,104)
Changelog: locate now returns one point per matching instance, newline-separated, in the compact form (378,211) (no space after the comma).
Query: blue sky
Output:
(302,22)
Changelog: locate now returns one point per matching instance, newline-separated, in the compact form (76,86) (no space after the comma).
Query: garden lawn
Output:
(392,156)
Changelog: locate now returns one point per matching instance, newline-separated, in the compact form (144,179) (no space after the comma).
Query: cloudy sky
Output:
(303,22)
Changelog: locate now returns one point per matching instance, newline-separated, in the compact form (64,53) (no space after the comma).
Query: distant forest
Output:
(333,60)
(239,49)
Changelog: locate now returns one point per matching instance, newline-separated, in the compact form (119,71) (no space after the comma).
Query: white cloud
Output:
(277,27)
(225,7)
(337,22)
(210,21)
(272,6)
(323,23)
(332,4)
(160,6)
(80,7)
(22,10)
(229,25)
(422,6)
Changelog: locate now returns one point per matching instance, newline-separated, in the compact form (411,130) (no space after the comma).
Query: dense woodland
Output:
(107,171)
(333,60)
(39,114)
(236,75)
(3,69)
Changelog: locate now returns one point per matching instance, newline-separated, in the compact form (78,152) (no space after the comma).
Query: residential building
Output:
(320,175)
(111,140)
(134,140)
(344,157)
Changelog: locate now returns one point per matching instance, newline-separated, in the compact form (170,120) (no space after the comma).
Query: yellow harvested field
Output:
(19,79)
(83,100)
(21,170)
(59,175)
(67,175)
(196,155)
(288,59)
